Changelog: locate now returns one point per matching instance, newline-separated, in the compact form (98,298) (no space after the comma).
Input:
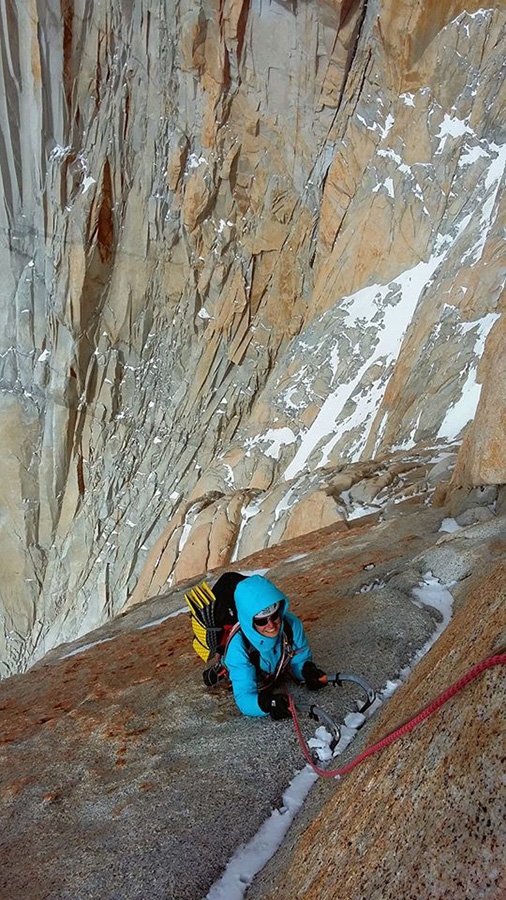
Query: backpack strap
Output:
(233,631)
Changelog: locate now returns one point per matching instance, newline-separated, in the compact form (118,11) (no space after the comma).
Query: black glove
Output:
(212,675)
(312,675)
(274,704)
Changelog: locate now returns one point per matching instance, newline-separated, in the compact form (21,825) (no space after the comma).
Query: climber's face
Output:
(268,622)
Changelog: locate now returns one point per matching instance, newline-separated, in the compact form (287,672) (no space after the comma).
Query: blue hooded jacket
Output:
(251,596)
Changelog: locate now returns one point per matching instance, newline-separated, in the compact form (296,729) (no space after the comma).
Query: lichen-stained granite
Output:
(242,241)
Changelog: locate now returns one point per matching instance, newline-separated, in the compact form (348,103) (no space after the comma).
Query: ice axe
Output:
(319,714)
(338,678)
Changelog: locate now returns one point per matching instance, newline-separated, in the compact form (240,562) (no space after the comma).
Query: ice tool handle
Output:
(338,679)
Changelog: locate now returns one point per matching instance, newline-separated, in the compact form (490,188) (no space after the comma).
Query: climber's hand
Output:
(314,677)
(274,704)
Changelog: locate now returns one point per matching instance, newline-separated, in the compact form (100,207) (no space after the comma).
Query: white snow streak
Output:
(361,307)
(462,412)
(277,437)
(451,127)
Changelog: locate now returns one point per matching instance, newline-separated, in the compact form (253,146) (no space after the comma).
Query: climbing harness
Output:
(287,653)
(474,672)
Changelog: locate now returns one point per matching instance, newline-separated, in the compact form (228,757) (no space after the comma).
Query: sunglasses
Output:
(264,620)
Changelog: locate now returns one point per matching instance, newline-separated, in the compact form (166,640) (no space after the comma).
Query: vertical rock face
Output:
(242,241)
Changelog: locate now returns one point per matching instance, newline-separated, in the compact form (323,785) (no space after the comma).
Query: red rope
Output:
(499,660)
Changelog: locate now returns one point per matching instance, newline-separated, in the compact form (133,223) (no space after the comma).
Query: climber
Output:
(270,640)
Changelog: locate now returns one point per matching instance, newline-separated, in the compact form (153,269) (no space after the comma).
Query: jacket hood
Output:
(253,595)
